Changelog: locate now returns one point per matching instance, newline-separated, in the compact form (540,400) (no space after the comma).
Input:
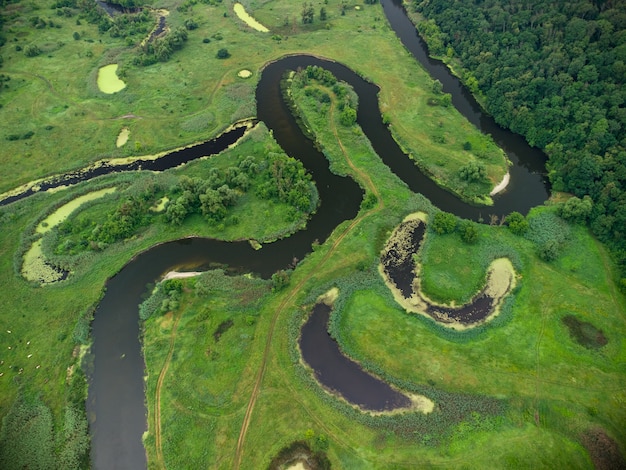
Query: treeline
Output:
(553,72)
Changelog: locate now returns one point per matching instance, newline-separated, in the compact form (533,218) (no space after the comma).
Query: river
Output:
(116,401)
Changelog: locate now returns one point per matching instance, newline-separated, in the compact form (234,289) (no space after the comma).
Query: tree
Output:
(280,280)
(444,222)
(517,223)
(307,13)
(323,14)
(223,54)
(473,171)
(468,231)
(576,210)
(190,24)
(348,116)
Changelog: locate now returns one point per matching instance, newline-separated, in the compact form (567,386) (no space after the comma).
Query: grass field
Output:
(535,392)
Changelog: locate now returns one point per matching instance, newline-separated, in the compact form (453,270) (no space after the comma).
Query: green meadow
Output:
(223,368)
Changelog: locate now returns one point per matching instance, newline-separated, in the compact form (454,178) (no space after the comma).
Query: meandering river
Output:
(116,401)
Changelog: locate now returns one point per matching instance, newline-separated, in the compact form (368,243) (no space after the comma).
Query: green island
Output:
(540,384)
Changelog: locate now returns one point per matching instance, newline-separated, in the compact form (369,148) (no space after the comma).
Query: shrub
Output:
(517,223)
(223,54)
(469,232)
(444,222)
(473,171)
(32,50)
(348,116)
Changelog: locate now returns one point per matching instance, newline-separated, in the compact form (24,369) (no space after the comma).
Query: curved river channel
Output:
(116,400)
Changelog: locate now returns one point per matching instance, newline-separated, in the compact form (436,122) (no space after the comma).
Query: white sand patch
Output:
(65,210)
(245,73)
(179,275)
(243,15)
(122,137)
(500,186)
(108,81)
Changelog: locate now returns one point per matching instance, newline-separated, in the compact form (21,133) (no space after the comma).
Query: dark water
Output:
(116,403)
(345,376)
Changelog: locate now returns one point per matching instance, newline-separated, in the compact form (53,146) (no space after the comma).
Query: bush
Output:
(348,116)
(444,222)
(517,223)
(32,50)
(469,232)
(473,171)
(223,54)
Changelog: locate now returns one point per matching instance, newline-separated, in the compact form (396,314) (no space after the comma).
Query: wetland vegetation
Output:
(542,382)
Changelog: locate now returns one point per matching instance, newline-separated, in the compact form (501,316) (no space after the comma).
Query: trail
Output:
(295,291)
(157,397)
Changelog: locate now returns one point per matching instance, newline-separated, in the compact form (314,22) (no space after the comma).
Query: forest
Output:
(553,72)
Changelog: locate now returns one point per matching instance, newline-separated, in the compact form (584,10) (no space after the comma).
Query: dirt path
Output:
(296,289)
(157,394)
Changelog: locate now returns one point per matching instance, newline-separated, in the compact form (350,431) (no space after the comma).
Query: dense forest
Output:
(553,72)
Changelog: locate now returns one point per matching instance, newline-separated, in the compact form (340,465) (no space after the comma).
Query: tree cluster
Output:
(162,48)
(553,72)
(311,79)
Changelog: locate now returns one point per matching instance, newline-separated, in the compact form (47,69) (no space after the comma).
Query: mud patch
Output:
(603,450)
(222,328)
(584,333)
(400,271)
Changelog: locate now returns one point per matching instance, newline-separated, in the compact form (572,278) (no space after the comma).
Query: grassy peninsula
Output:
(542,383)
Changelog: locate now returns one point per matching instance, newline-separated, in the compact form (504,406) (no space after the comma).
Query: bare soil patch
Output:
(603,450)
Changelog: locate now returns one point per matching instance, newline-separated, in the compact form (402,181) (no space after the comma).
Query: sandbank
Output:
(501,185)
(181,275)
